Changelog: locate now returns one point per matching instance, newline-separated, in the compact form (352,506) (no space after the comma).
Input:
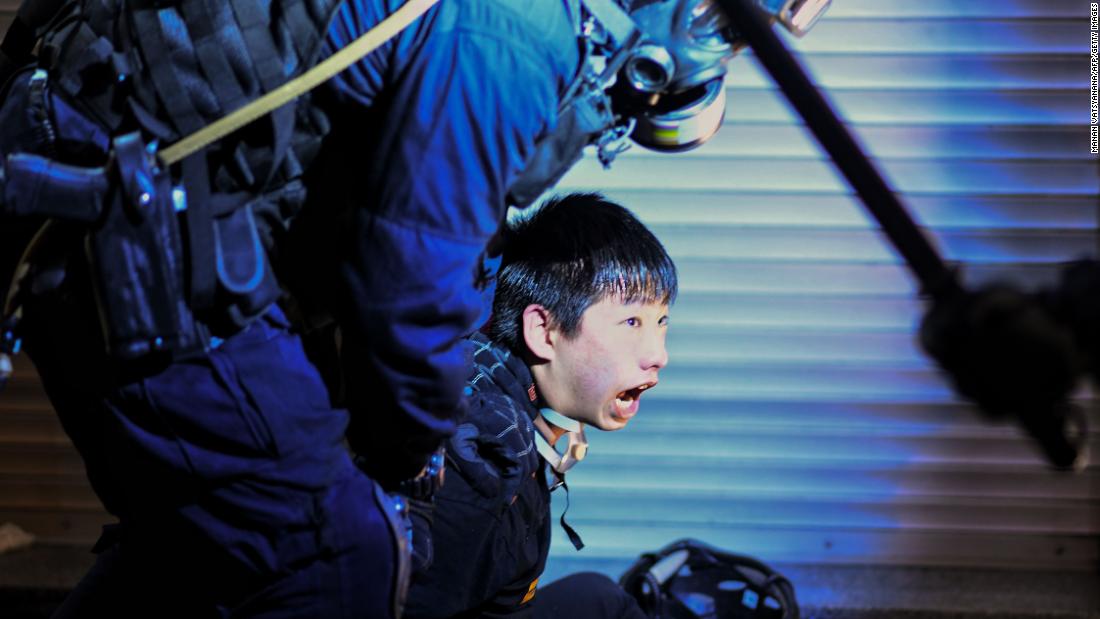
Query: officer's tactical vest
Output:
(165,69)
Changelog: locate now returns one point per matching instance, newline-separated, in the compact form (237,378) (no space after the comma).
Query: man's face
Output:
(598,375)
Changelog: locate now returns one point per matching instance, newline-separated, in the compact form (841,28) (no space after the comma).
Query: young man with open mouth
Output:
(576,338)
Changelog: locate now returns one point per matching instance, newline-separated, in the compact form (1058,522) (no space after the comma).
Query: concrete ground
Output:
(34,580)
(897,592)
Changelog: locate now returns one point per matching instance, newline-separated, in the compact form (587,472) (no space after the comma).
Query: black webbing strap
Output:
(211,55)
(307,46)
(200,232)
(282,122)
(76,56)
(173,95)
(303,39)
(91,50)
(574,537)
(256,29)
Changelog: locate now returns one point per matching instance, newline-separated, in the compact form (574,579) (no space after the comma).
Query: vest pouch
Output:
(136,257)
(246,284)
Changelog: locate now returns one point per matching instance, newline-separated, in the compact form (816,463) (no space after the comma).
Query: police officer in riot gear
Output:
(219,449)
(149,303)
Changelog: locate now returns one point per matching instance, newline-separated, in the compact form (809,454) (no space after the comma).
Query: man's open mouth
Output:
(626,403)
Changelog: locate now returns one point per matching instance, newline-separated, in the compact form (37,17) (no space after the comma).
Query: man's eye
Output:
(632,322)
(663,321)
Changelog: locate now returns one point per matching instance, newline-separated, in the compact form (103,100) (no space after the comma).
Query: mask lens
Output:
(651,69)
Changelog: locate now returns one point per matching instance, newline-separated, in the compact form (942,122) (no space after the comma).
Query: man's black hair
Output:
(571,253)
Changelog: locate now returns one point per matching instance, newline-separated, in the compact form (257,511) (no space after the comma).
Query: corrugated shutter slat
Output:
(798,419)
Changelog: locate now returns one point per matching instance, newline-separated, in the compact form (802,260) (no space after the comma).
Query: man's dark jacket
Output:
(491,532)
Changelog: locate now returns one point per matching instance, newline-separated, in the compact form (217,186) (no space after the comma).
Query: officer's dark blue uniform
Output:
(227,471)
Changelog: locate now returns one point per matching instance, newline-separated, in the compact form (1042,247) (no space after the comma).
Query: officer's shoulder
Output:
(535,23)
(539,31)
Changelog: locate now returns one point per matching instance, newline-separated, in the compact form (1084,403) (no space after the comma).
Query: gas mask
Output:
(653,71)
(672,82)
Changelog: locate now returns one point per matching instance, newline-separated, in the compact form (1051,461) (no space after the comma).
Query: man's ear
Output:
(537,332)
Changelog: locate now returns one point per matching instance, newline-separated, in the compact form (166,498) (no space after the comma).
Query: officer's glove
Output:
(1076,303)
(420,492)
(1005,350)
(422,515)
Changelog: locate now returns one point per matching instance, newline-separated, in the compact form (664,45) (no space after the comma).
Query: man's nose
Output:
(654,355)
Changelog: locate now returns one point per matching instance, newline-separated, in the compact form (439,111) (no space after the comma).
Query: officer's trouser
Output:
(227,472)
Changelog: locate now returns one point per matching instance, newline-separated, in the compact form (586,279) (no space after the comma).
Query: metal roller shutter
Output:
(798,420)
